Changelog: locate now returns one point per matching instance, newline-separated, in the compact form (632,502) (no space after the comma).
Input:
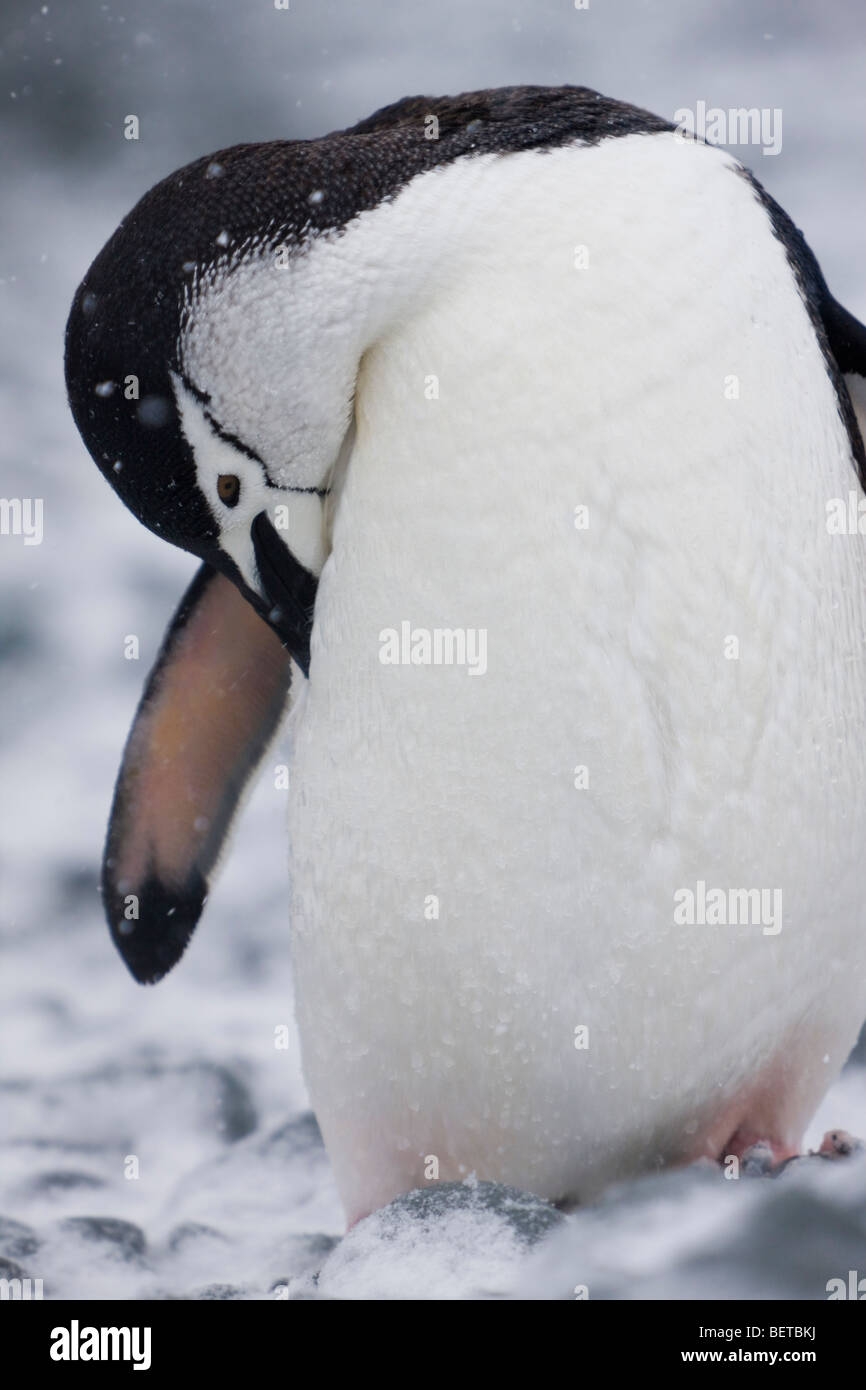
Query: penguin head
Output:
(180,378)
(214,402)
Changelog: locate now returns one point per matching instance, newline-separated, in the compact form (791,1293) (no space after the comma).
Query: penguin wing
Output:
(846,338)
(842,337)
(210,707)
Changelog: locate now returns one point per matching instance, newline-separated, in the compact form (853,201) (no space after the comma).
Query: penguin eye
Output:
(229,488)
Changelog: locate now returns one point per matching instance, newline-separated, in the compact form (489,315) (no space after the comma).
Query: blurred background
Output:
(231,1190)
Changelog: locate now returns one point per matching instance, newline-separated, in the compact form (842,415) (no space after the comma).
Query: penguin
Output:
(521,443)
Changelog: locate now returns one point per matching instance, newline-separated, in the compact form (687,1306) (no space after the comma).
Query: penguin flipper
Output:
(209,710)
(841,335)
(846,336)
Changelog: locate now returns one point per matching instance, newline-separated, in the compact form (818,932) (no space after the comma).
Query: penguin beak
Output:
(289,591)
(286,594)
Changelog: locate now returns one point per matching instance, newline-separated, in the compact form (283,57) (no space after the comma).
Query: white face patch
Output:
(277,352)
(297,517)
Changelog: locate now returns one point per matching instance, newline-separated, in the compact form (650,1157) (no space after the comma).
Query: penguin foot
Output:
(758,1156)
(759,1160)
(838,1143)
(765,1159)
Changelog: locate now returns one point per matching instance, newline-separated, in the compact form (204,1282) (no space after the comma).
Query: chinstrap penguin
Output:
(525,363)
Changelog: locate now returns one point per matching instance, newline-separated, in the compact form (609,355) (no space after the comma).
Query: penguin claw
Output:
(838,1143)
(761,1159)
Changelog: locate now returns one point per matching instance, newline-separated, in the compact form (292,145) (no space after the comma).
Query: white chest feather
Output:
(606,442)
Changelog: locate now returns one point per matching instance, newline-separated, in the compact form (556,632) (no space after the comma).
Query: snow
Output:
(456,1241)
(233,1195)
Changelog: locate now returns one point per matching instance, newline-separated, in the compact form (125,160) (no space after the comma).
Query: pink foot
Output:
(838,1143)
(763,1158)
(756,1154)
